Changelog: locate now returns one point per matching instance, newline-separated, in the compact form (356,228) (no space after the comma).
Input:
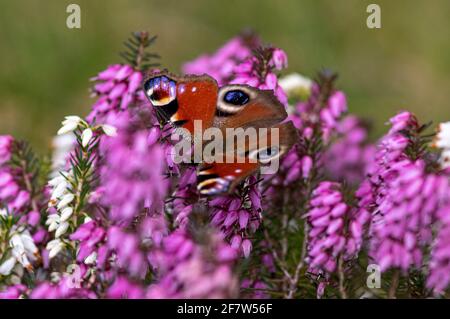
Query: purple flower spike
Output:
(329,236)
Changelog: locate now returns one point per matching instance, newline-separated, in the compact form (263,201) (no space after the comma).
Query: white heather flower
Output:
(3,212)
(55,251)
(86,137)
(66,213)
(7,266)
(61,197)
(294,82)
(60,189)
(61,145)
(53,221)
(62,229)
(62,176)
(75,118)
(442,140)
(54,247)
(53,218)
(89,260)
(56,180)
(28,243)
(69,127)
(87,219)
(16,242)
(53,226)
(443,136)
(22,258)
(109,130)
(23,248)
(53,243)
(65,200)
(445,159)
(69,124)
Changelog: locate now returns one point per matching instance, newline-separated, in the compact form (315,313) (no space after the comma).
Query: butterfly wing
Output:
(182,100)
(228,169)
(259,138)
(245,106)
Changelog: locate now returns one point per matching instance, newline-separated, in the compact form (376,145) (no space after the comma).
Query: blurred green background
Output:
(45,67)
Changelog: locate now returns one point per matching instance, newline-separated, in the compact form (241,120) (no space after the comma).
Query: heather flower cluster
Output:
(238,217)
(336,228)
(194,270)
(110,214)
(350,156)
(222,64)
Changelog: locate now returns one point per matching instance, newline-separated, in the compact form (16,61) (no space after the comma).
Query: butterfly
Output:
(183,101)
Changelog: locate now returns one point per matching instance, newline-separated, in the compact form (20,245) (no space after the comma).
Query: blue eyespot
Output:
(268,153)
(236,97)
(265,155)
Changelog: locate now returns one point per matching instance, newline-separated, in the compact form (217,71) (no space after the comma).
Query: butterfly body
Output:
(254,118)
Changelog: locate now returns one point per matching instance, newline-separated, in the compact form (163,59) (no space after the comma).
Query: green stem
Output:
(28,185)
(394,285)
(341,278)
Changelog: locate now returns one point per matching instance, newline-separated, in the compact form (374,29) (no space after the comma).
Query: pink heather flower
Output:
(321,290)
(127,249)
(221,64)
(32,219)
(325,117)
(68,286)
(255,289)
(185,196)
(335,228)
(122,288)
(6,142)
(406,214)
(175,247)
(9,188)
(154,228)
(132,172)
(12,192)
(238,217)
(40,236)
(189,270)
(390,153)
(350,157)
(439,266)
(13,291)
(91,239)
(401,197)
(403,120)
(294,167)
(64,289)
(117,88)
(22,199)
(279,59)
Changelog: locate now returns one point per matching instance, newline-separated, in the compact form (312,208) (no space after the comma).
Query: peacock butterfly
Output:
(183,100)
